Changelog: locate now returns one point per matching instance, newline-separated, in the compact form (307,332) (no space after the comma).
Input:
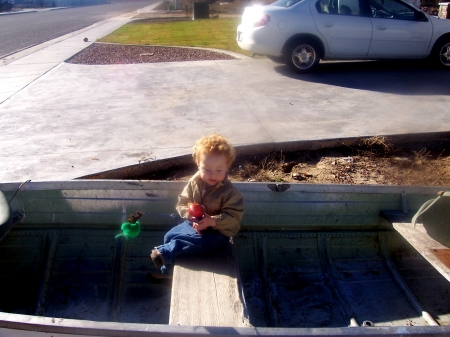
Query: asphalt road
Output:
(19,31)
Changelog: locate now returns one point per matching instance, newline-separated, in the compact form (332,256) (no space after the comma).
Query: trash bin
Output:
(166,5)
(201,10)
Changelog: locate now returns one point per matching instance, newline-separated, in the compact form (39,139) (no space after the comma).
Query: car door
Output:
(345,26)
(399,30)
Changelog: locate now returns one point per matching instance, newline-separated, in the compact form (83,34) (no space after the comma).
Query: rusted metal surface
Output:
(443,255)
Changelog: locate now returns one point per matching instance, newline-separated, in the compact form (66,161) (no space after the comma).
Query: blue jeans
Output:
(184,240)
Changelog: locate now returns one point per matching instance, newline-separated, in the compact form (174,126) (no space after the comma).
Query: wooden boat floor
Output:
(290,278)
(206,291)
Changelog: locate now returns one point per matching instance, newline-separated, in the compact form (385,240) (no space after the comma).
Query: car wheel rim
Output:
(444,54)
(303,56)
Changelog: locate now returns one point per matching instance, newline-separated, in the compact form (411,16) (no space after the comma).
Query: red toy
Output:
(196,211)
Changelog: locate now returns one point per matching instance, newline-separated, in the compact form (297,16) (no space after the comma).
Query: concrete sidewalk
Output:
(63,121)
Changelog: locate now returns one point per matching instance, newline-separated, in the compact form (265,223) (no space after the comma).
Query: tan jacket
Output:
(222,202)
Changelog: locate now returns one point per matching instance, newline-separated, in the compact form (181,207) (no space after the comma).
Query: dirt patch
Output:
(374,161)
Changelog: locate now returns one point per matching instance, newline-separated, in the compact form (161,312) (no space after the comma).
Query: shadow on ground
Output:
(393,77)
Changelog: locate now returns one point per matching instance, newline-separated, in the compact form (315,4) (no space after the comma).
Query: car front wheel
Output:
(441,53)
(303,56)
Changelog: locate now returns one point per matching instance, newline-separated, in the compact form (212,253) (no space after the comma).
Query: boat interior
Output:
(308,257)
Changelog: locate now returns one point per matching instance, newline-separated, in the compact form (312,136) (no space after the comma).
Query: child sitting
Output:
(222,202)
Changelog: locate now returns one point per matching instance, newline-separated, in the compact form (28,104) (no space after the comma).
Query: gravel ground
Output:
(104,53)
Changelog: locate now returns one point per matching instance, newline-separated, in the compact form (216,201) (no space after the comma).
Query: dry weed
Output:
(376,146)
(247,171)
(264,169)
(270,162)
(421,157)
(440,154)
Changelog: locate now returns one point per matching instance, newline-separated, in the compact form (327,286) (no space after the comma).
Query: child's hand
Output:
(195,226)
(205,222)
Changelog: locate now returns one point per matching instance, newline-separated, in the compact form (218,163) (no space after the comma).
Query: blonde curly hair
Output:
(214,144)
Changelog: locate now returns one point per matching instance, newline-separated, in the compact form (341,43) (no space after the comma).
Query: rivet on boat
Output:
(368,324)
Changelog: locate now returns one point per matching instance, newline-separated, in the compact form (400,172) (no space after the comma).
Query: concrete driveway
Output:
(77,120)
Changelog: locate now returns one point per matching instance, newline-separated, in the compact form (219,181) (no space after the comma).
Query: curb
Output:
(222,51)
(45,9)
(18,51)
(25,11)
(21,12)
(311,145)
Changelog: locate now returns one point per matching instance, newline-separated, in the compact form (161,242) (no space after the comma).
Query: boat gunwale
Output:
(242,186)
(95,328)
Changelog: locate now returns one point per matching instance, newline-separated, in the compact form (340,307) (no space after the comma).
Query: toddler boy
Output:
(223,204)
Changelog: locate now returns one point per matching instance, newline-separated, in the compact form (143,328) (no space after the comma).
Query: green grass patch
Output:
(214,33)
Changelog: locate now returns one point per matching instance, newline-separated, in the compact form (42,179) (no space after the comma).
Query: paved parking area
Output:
(63,121)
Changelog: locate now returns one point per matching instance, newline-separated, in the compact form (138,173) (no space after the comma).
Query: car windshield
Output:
(285,3)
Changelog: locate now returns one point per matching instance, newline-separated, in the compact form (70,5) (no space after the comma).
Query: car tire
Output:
(440,54)
(303,56)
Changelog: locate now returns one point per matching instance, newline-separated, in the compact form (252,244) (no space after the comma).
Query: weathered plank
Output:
(435,253)
(206,291)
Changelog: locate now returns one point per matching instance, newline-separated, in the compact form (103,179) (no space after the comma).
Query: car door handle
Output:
(381,28)
(328,24)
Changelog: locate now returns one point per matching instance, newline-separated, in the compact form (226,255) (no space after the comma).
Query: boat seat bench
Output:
(434,252)
(206,291)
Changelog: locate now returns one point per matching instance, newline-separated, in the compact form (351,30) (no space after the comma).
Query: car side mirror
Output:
(420,16)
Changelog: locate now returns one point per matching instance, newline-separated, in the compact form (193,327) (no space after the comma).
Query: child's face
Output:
(213,168)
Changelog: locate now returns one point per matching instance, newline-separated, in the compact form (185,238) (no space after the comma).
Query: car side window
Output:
(341,7)
(392,9)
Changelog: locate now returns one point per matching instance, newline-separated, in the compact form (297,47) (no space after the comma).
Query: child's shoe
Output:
(160,276)
(157,258)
